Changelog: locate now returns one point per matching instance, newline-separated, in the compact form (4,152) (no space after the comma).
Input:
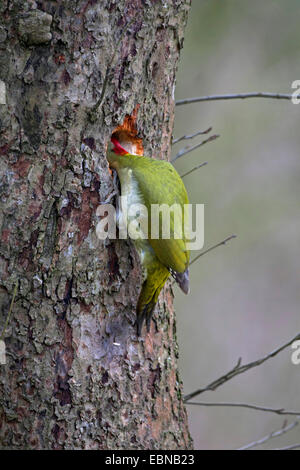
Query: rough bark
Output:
(76,375)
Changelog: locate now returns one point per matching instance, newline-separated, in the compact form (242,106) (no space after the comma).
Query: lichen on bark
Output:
(76,375)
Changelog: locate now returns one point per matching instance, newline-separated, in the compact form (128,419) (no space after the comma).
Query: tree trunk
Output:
(76,375)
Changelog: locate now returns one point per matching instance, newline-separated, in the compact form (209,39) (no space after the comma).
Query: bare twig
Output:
(278,96)
(223,242)
(9,312)
(193,169)
(278,411)
(189,149)
(191,136)
(239,369)
(270,436)
(292,447)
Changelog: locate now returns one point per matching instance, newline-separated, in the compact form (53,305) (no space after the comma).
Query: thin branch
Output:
(239,369)
(191,136)
(292,447)
(189,149)
(278,96)
(280,432)
(9,312)
(223,242)
(280,411)
(193,169)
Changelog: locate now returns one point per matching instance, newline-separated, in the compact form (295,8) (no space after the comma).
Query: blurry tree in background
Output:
(245,297)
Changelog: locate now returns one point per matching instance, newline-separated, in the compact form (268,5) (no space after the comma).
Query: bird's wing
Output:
(160,184)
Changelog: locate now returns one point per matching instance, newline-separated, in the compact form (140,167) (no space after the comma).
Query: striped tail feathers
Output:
(151,288)
(144,314)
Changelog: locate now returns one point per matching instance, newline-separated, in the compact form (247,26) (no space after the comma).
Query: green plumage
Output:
(148,181)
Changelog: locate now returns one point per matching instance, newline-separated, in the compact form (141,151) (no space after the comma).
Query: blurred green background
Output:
(245,296)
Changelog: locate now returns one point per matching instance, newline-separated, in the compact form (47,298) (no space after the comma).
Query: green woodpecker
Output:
(147,181)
